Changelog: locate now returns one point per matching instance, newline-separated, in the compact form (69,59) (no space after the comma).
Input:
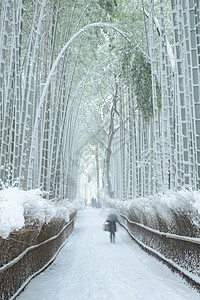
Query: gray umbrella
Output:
(113,217)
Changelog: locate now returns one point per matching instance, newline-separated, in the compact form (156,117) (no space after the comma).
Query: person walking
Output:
(112,219)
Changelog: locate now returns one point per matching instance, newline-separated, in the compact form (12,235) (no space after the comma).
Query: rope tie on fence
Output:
(166,234)
(181,253)
(15,260)
(33,260)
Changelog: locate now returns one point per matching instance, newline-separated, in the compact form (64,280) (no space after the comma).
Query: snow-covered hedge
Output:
(173,212)
(18,208)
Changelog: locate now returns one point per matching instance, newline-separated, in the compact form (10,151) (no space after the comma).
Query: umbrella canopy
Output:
(113,217)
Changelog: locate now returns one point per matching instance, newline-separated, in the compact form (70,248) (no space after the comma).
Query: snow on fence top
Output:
(165,205)
(18,206)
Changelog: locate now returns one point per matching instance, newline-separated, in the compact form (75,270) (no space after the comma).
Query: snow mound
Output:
(18,206)
(163,209)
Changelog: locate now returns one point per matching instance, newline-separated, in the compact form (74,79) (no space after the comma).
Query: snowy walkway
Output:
(89,267)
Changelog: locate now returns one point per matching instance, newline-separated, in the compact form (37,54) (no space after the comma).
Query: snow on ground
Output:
(89,267)
(18,206)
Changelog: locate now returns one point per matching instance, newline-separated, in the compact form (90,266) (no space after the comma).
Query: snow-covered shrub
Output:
(19,208)
(173,212)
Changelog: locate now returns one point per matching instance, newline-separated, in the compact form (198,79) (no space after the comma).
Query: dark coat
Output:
(112,219)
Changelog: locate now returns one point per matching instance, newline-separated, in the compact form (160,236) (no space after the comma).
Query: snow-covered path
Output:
(89,267)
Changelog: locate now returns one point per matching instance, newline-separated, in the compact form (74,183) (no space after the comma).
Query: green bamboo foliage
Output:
(166,147)
(57,67)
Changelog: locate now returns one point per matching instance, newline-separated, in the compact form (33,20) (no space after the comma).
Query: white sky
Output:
(89,267)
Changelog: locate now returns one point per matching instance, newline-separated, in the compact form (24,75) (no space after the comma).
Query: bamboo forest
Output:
(124,89)
(100,99)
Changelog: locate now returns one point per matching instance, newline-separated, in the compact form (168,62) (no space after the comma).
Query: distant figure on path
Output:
(112,219)
(93,202)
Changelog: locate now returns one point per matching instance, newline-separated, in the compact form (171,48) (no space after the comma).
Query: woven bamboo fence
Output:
(182,253)
(27,252)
